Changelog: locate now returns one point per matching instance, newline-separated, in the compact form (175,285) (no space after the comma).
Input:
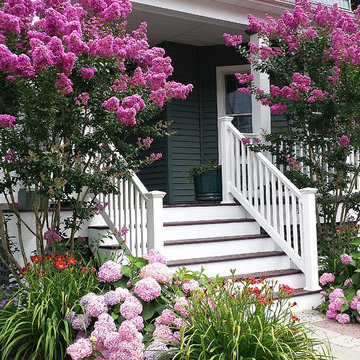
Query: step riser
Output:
(210,230)
(306,302)
(230,247)
(242,266)
(204,213)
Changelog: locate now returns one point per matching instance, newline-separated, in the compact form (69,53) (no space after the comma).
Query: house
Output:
(265,226)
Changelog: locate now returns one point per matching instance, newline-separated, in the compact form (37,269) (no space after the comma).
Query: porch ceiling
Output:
(193,30)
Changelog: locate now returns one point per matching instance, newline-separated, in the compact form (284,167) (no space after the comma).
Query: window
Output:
(230,101)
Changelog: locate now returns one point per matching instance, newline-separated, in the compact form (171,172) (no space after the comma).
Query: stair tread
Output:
(99,227)
(268,274)
(198,205)
(214,239)
(205,222)
(210,259)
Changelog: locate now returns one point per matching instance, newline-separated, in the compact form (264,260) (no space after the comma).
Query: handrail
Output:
(286,213)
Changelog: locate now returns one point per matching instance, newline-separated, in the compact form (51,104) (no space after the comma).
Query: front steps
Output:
(219,238)
(223,237)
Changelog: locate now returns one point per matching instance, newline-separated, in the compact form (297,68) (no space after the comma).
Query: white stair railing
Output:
(286,213)
(137,209)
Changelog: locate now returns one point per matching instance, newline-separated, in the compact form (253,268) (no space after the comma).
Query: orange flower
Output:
(71,261)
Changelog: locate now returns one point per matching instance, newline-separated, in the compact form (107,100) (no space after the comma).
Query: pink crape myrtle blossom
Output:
(344,141)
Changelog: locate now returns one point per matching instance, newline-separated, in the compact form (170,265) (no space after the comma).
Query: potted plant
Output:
(207,181)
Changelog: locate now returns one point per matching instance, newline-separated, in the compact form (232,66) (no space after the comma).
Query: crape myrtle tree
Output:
(313,53)
(77,97)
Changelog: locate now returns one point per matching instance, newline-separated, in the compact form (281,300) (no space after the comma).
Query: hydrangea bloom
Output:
(154,256)
(326,278)
(346,259)
(189,286)
(80,349)
(343,318)
(159,271)
(130,308)
(147,289)
(155,350)
(112,297)
(110,271)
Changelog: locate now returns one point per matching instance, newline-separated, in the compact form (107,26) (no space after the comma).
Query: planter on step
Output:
(208,185)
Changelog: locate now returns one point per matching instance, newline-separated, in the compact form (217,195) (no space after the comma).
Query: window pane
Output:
(238,105)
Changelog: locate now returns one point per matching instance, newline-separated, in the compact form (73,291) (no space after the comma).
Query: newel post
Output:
(224,157)
(155,219)
(309,243)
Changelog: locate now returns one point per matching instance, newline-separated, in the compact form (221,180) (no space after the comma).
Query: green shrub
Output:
(242,323)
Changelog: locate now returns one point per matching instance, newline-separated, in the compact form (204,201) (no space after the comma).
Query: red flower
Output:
(286,289)
(294,318)
(93,269)
(60,265)
(36,259)
(84,269)
(25,269)
(262,299)
(60,258)
(71,261)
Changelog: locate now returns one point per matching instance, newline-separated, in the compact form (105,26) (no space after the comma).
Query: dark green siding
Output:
(194,120)
(211,57)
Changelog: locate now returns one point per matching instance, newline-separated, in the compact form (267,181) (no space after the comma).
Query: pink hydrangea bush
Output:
(118,323)
(341,290)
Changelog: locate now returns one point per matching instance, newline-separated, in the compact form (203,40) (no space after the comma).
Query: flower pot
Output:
(25,200)
(208,186)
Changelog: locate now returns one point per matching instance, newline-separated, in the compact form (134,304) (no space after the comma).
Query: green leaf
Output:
(126,270)
(344,307)
(349,294)
(140,262)
(114,316)
(148,310)
(131,258)
(356,242)
(98,353)
(149,328)
(356,278)
(122,282)
(356,256)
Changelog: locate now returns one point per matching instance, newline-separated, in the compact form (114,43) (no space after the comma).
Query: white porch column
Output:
(155,219)
(261,120)
(224,146)
(309,244)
